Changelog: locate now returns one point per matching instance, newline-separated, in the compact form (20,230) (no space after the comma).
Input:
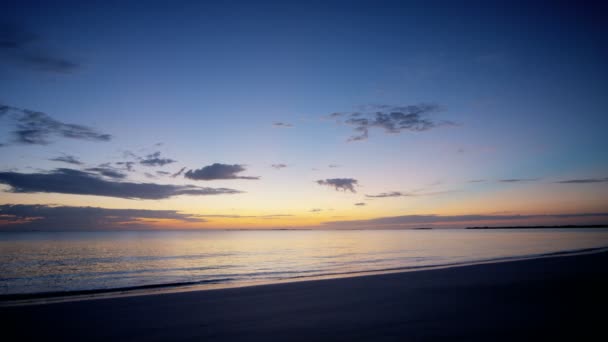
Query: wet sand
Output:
(540,299)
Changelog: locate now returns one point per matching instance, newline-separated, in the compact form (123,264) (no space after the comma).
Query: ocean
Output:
(40,262)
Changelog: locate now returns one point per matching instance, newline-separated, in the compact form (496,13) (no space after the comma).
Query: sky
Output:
(317,114)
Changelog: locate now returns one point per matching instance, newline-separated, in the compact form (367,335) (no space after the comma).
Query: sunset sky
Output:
(301,115)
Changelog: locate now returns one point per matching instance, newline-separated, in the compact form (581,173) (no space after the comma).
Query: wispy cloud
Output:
(69,181)
(21,48)
(584,181)
(65,158)
(448,220)
(392,119)
(107,171)
(282,125)
(154,159)
(333,166)
(218,171)
(518,180)
(360,204)
(407,194)
(36,128)
(343,184)
(45,217)
(179,173)
(278,166)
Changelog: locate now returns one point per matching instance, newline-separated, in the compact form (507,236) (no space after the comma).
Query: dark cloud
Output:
(154,159)
(178,173)
(163,173)
(218,171)
(107,171)
(360,204)
(67,159)
(36,128)
(391,119)
(340,183)
(282,125)
(268,217)
(25,49)
(518,180)
(278,166)
(69,181)
(584,181)
(455,220)
(44,217)
(477,181)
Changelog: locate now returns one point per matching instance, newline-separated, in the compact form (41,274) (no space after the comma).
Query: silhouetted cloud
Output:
(178,173)
(35,128)
(340,183)
(518,180)
(21,48)
(392,119)
(278,166)
(69,181)
(584,181)
(408,194)
(218,171)
(282,125)
(360,204)
(232,216)
(67,159)
(452,220)
(154,159)
(45,217)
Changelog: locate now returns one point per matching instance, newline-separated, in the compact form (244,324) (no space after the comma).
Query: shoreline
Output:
(42,298)
(536,299)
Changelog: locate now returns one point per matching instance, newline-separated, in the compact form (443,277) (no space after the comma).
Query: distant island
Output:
(543,227)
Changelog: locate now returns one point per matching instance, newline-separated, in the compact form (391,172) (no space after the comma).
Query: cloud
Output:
(45,217)
(178,173)
(392,119)
(218,171)
(584,181)
(315,210)
(477,181)
(518,180)
(407,194)
(25,49)
(67,159)
(389,194)
(267,217)
(456,220)
(163,173)
(360,204)
(128,165)
(278,166)
(340,183)
(282,125)
(36,128)
(155,160)
(333,166)
(107,171)
(69,181)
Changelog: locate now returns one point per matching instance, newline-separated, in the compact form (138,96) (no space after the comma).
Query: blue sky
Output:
(516,91)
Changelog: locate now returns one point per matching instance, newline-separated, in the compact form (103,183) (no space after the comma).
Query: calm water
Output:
(47,262)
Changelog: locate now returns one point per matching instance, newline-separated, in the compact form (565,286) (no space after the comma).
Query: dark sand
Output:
(541,299)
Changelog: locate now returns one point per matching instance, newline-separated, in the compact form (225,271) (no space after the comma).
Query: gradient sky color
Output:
(513,96)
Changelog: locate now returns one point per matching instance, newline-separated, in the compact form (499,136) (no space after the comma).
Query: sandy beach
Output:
(518,300)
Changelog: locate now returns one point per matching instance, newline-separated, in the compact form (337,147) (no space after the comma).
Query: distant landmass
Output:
(543,227)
